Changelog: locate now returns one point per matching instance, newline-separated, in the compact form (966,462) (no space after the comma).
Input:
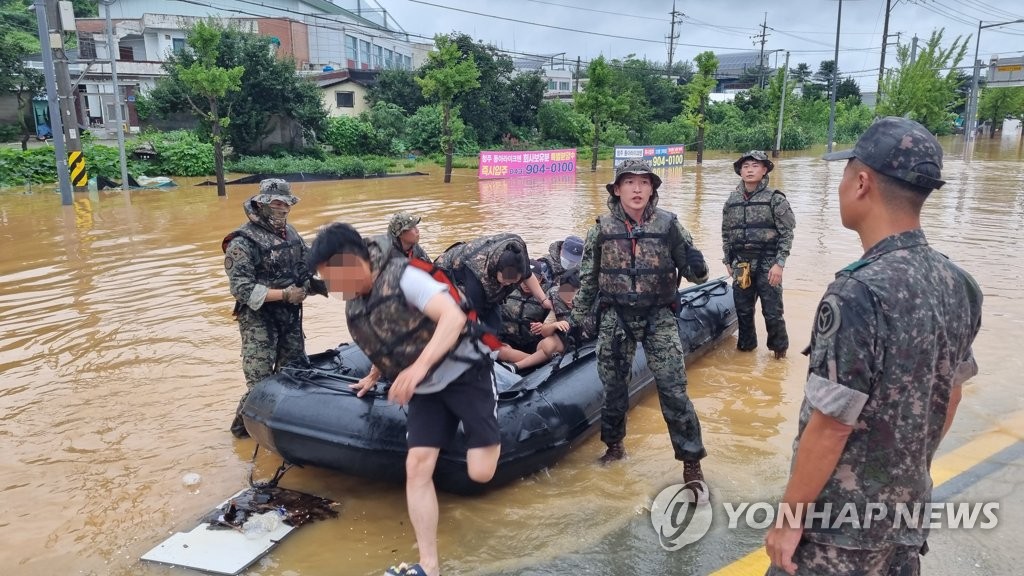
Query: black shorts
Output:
(471,399)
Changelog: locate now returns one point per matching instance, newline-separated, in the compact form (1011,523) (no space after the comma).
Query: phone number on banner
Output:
(673,160)
(539,168)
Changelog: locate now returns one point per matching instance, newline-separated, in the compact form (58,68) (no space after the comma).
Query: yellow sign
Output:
(76,164)
(1010,68)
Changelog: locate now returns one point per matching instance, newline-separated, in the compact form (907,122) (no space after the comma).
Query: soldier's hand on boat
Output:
(405,383)
(293,295)
(366,383)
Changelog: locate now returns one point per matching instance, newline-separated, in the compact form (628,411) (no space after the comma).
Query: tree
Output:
(699,92)
(848,88)
(397,87)
(801,74)
(448,74)
(597,101)
(204,79)
(926,89)
(24,82)
(560,123)
(997,104)
(526,92)
(270,87)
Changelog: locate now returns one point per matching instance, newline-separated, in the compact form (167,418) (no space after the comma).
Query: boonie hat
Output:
(275,189)
(633,166)
(572,249)
(754,155)
(899,148)
(401,222)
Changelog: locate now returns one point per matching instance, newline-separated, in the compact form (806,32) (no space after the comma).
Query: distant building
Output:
(735,70)
(557,72)
(344,92)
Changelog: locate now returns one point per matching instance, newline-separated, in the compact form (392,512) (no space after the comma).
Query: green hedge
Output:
(338,166)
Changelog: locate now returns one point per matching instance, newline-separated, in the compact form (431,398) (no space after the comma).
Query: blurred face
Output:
(566,292)
(410,237)
(346,274)
(752,171)
(634,191)
(509,277)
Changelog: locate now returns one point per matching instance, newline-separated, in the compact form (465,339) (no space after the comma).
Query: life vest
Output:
(396,246)
(480,258)
(636,267)
(279,262)
(517,313)
(749,225)
(475,328)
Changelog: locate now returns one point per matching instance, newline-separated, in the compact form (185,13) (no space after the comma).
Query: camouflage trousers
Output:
(771,308)
(271,337)
(616,347)
(813,558)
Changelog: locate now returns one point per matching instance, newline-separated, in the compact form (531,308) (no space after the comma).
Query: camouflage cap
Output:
(275,189)
(633,166)
(401,222)
(899,148)
(754,155)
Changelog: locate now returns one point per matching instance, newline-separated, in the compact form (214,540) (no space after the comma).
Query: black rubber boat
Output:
(307,415)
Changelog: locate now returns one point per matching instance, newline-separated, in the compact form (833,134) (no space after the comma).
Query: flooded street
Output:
(120,371)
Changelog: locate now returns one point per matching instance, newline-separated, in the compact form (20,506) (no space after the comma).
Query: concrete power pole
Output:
(760,59)
(66,196)
(885,42)
(913,49)
(782,107)
(576,83)
(65,99)
(672,37)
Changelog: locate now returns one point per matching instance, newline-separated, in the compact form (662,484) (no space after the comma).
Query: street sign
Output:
(1005,72)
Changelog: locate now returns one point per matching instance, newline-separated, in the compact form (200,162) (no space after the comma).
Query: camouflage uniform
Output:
(649,320)
(517,313)
(757,228)
(401,222)
(473,266)
(892,339)
(258,258)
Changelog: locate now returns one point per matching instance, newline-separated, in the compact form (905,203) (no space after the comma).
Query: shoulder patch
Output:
(778,192)
(856,266)
(827,319)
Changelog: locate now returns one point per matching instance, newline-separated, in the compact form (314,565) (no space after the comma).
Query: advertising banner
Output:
(658,156)
(516,164)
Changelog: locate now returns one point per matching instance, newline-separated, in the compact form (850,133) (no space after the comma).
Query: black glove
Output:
(317,286)
(695,260)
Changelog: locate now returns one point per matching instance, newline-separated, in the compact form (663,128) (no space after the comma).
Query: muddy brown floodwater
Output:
(119,371)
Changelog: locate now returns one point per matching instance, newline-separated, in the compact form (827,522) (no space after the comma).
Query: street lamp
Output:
(972,106)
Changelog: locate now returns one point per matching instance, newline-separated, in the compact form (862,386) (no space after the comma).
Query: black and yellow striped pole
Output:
(76,165)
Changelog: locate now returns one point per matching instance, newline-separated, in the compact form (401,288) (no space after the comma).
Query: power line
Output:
(619,14)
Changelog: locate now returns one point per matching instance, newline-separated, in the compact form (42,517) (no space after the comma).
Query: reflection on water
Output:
(120,370)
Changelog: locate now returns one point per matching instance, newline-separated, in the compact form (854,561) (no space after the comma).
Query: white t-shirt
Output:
(418,288)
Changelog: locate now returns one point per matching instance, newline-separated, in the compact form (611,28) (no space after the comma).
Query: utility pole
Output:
(65,99)
(913,49)
(782,107)
(673,36)
(760,59)
(118,116)
(56,131)
(576,84)
(885,42)
(835,83)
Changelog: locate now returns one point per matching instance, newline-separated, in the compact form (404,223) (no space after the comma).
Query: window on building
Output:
(87,48)
(345,99)
(408,62)
(351,52)
(178,45)
(563,86)
(389,59)
(364,53)
(126,54)
(552,85)
(378,57)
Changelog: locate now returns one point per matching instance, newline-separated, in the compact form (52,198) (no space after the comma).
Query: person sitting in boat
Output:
(404,235)
(555,333)
(264,260)
(562,256)
(415,332)
(487,270)
(633,260)
(518,313)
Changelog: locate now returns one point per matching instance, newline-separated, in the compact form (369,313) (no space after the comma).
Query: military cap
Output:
(633,166)
(401,222)
(275,189)
(754,155)
(899,148)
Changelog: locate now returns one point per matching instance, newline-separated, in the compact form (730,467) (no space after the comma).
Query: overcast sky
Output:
(804,27)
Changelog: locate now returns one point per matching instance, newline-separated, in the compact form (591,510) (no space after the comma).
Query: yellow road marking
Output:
(944,469)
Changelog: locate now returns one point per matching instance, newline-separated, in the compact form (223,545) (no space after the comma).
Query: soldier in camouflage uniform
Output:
(633,260)
(265,263)
(404,234)
(757,236)
(562,256)
(890,351)
(519,311)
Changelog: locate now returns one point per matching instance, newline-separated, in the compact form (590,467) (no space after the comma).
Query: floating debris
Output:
(291,507)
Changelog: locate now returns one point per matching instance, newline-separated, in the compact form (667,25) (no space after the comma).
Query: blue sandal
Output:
(404,569)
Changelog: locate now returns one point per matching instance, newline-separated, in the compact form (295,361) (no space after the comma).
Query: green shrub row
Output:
(337,166)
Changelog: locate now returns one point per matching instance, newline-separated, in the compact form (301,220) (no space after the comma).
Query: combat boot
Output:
(693,477)
(615,451)
(780,354)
